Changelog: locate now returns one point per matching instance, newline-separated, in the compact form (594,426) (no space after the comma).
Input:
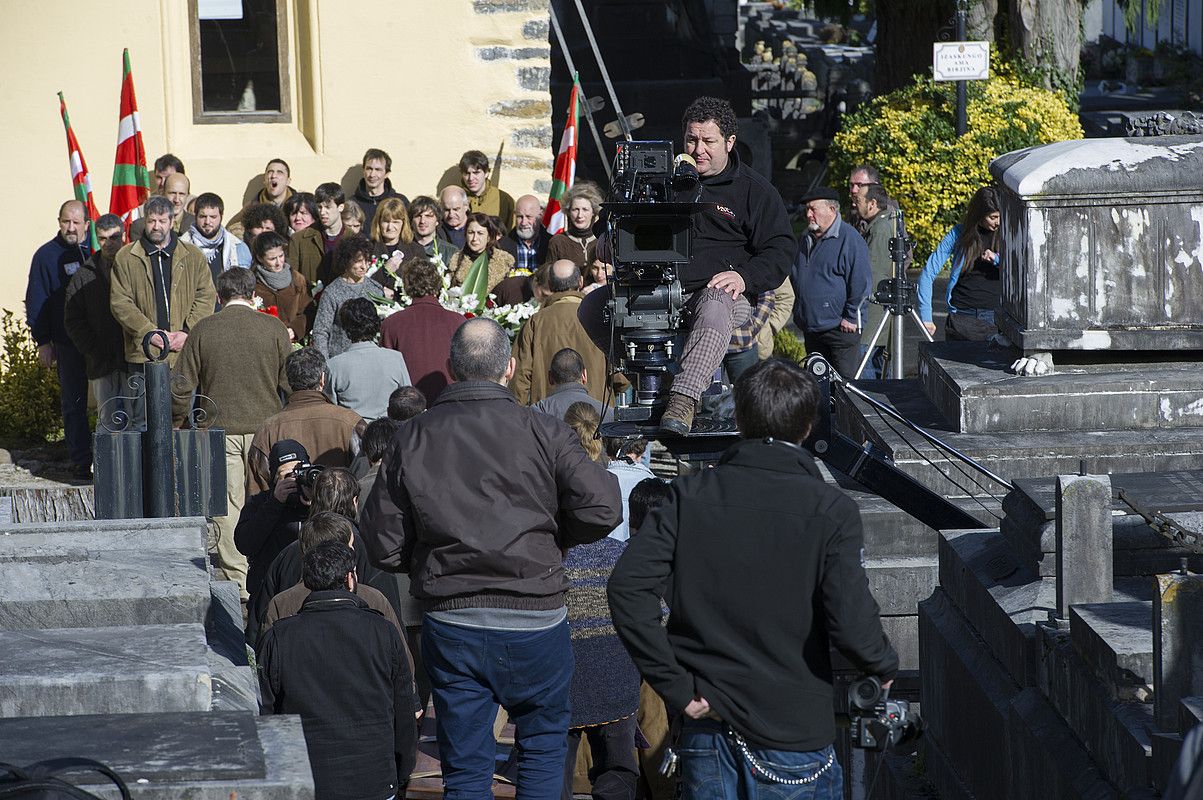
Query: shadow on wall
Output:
(253,187)
(351,178)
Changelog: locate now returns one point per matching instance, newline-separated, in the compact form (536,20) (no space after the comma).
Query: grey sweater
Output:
(363,376)
(328,335)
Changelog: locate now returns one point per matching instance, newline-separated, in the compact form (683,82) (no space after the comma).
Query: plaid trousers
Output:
(713,316)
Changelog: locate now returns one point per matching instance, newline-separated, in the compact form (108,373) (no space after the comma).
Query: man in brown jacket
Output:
(236,358)
(550,330)
(477,500)
(159,283)
(329,433)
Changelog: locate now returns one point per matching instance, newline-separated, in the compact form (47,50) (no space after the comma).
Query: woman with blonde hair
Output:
(577,243)
(394,242)
(584,419)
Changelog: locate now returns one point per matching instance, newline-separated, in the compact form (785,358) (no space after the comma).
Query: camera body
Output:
(650,230)
(305,474)
(877,722)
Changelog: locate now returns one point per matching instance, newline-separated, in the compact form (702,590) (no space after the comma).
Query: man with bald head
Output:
(492,584)
(455,215)
(551,329)
(527,242)
(51,270)
(176,188)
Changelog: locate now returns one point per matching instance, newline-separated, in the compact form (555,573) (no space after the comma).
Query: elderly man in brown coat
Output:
(551,329)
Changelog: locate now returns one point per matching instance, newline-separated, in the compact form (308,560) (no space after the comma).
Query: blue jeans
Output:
(529,673)
(713,768)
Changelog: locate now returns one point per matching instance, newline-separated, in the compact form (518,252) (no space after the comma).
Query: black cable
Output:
(877,769)
(947,476)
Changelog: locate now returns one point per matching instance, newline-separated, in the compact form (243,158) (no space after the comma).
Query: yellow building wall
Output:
(423,79)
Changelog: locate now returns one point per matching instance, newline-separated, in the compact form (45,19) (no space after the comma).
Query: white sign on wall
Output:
(961,61)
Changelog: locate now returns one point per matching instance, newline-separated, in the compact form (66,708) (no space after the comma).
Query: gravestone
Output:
(1084,541)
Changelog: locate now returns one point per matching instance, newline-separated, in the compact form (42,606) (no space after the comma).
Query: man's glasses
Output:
(863,184)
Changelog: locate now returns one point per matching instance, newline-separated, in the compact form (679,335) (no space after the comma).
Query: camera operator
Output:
(270,521)
(750,666)
(742,246)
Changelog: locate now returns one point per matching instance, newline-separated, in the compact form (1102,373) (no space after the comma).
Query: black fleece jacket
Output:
(763,563)
(744,227)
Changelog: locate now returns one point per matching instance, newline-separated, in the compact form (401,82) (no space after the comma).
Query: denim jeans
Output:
(714,768)
(529,673)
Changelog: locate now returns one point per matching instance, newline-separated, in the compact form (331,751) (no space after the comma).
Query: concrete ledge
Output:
(1116,641)
(1115,732)
(104,671)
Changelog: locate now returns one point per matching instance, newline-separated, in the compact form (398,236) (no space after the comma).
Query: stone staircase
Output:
(116,644)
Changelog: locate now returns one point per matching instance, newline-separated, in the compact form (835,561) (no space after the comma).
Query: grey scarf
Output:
(276,281)
(207,246)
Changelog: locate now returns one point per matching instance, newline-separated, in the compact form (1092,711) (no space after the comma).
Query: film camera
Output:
(877,722)
(649,226)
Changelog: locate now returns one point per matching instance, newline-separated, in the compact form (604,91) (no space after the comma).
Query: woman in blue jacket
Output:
(974,289)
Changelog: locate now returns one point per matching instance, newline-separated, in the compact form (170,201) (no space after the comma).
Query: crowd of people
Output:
(423,508)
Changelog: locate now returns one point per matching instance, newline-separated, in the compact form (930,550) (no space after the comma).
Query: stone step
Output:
(890,532)
(200,756)
(899,584)
(1011,455)
(110,670)
(235,686)
(968,382)
(103,573)
(93,589)
(1138,550)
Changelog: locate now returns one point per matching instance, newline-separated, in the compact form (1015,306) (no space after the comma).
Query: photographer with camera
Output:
(750,667)
(742,246)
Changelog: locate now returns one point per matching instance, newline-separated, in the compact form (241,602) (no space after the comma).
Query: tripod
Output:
(896,296)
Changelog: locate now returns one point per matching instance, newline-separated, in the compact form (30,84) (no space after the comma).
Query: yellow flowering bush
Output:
(910,136)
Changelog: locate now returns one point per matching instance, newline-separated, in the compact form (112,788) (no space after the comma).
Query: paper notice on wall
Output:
(219,9)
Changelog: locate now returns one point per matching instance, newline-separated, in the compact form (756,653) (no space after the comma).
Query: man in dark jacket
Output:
(832,280)
(742,246)
(750,666)
(375,187)
(53,266)
(89,320)
(269,522)
(342,667)
(477,499)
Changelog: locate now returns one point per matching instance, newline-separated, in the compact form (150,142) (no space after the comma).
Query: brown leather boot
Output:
(678,416)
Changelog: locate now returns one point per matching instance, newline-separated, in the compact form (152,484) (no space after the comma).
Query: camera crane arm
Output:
(873,469)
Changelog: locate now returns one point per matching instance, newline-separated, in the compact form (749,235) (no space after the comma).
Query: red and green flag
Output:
(554,220)
(131,181)
(81,181)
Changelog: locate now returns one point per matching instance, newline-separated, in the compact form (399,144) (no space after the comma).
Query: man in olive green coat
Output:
(159,283)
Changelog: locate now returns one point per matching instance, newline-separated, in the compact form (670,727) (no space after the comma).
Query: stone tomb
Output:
(1103,244)
(1089,700)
